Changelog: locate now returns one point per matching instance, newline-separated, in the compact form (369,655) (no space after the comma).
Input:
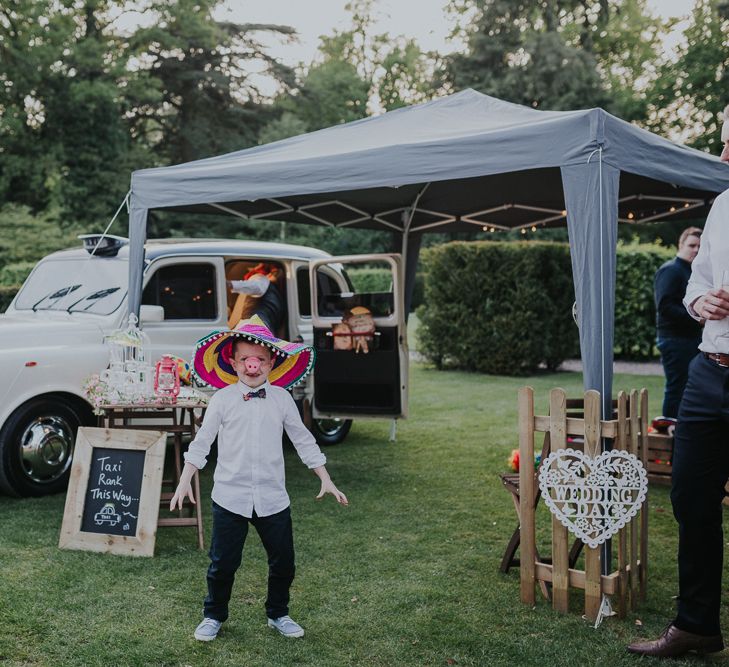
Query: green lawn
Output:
(407,575)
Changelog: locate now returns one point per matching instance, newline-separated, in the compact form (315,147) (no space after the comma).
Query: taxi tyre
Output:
(52,424)
(330,431)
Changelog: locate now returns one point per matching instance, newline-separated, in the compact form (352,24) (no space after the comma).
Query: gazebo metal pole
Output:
(407,221)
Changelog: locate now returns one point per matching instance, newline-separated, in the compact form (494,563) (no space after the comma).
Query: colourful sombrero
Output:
(211,363)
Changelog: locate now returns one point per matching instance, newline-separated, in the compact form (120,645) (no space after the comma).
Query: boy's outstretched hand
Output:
(182,492)
(184,488)
(327,486)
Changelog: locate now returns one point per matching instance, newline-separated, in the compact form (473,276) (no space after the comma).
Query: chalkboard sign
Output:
(111,505)
(113,495)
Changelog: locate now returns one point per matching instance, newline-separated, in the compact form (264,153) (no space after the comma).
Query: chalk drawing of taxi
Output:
(107,514)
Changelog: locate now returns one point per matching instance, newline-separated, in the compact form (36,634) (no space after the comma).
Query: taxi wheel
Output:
(330,431)
(36,448)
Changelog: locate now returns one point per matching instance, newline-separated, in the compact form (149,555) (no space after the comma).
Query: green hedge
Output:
(7,294)
(502,308)
(505,308)
(13,275)
(378,280)
(635,311)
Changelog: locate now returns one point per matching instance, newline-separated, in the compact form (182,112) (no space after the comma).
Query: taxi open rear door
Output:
(359,373)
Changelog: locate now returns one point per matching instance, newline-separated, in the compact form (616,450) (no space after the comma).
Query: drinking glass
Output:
(725,286)
(725,280)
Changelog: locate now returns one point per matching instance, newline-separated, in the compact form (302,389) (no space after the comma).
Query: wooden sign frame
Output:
(153,443)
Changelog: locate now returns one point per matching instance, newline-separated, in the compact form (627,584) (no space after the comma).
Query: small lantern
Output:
(167,378)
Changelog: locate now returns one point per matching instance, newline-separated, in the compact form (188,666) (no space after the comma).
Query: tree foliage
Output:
(692,90)
(206,100)
(558,54)
(63,127)
(331,93)
(28,46)
(26,238)
(82,104)
(357,71)
(85,100)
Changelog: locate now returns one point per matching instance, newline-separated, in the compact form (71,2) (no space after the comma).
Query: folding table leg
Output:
(508,560)
(575,552)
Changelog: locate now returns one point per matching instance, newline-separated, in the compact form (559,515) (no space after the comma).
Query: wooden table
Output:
(177,420)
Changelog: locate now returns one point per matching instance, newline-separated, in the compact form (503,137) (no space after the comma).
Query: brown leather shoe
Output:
(675,642)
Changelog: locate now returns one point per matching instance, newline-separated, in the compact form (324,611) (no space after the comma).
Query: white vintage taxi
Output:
(51,338)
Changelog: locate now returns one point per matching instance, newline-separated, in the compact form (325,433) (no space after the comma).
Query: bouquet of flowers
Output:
(513,460)
(96,391)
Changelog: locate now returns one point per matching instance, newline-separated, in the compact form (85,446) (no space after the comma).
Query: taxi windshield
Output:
(88,285)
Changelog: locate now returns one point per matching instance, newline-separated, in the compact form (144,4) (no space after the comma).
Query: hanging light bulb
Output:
(492,230)
(630,215)
(485,229)
(672,209)
(523,230)
(534,228)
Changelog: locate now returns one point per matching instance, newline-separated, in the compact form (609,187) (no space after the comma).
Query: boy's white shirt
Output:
(250,471)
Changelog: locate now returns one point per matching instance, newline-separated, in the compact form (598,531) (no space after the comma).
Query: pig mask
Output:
(252,363)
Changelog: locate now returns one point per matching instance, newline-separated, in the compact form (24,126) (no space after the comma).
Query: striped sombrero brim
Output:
(211,363)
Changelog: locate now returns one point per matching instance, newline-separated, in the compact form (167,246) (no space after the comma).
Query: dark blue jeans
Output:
(700,471)
(676,355)
(226,552)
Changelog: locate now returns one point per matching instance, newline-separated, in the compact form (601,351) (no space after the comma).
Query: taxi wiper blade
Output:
(56,294)
(94,297)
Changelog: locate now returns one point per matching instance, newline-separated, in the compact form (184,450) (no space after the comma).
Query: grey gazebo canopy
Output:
(463,162)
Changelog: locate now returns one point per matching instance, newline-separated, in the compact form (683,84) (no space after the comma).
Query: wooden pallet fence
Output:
(627,430)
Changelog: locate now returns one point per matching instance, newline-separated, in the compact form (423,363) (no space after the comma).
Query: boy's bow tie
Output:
(261,393)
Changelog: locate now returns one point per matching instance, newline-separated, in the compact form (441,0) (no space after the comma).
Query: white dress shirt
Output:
(250,470)
(706,273)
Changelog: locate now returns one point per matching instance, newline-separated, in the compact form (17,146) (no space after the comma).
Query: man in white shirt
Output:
(248,417)
(701,448)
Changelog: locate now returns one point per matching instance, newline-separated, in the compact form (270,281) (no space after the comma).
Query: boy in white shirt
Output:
(248,416)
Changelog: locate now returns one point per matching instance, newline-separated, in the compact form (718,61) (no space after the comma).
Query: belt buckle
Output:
(717,359)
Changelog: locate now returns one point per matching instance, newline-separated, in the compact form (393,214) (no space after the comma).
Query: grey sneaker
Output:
(286,626)
(207,630)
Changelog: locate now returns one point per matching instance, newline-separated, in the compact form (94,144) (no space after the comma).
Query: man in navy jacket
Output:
(679,334)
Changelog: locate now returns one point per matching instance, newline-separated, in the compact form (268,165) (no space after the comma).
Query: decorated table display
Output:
(132,395)
(132,381)
(102,398)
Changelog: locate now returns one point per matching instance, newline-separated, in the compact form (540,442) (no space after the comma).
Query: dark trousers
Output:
(700,471)
(226,552)
(676,355)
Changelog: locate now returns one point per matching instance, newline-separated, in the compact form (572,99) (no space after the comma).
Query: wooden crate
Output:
(659,458)
(660,461)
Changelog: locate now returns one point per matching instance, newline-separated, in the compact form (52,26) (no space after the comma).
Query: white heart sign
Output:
(593,497)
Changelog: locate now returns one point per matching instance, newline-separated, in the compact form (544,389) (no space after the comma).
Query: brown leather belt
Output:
(718,358)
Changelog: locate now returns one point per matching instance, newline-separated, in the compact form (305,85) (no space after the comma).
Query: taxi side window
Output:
(185,291)
(327,286)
